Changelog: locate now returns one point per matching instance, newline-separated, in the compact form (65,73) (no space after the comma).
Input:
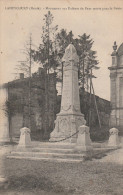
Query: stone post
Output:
(113,138)
(4,124)
(83,140)
(25,140)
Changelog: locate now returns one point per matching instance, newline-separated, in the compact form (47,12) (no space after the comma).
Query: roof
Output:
(120,50)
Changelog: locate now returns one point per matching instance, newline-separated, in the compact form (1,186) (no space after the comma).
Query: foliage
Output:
(12,106)
(98,134)
(52,49)
(47,53)
(87,58)
(63,39)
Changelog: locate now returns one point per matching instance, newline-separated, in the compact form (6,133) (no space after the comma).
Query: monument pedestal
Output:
(70,118)
(65,126)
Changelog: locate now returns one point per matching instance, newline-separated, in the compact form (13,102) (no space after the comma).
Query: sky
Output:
(101,20)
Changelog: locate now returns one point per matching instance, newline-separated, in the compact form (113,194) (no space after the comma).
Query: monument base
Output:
(65,126)
(83,148)
(4,140)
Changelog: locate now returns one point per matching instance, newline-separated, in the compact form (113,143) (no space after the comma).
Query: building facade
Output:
(116,89)
(41,114)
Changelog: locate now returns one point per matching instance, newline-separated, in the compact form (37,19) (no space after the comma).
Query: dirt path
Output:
(114,157)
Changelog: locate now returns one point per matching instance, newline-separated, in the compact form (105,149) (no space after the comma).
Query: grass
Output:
(49,178)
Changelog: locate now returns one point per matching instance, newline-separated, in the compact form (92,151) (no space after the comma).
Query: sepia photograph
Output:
(61,97)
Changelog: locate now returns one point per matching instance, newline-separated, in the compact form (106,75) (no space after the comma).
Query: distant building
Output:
(18,103)
(116,79)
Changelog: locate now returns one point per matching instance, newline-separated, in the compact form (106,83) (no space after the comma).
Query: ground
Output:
(95,177)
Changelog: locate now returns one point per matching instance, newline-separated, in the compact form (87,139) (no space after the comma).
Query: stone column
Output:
(116,80)
(4,124)
(70,118)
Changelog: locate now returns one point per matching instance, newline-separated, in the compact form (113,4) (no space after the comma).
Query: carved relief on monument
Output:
(63,124)
(62,127)
(84,130)
(66,64)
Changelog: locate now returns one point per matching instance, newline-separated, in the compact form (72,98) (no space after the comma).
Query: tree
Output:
(12,106)
(46,52)
(63,39)
(87,63)
(26,68)
(47,56)
(87,59)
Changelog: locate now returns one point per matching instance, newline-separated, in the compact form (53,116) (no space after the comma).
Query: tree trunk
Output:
(46,125)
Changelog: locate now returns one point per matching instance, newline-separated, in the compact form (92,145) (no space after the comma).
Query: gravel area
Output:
(96,177)
(40,177)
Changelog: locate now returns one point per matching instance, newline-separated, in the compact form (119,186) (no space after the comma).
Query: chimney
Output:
(21,75)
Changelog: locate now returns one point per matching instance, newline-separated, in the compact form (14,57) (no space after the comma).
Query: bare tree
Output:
(26,68)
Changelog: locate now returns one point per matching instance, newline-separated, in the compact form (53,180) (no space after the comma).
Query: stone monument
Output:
(70,118)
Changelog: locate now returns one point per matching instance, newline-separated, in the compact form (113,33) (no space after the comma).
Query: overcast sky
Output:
(104,26)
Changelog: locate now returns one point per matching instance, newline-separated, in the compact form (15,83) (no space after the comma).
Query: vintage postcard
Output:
(61,97)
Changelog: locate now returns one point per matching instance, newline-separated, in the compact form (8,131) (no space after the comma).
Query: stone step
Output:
(47,159)
(47,155)
(56,145)
(54,150)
